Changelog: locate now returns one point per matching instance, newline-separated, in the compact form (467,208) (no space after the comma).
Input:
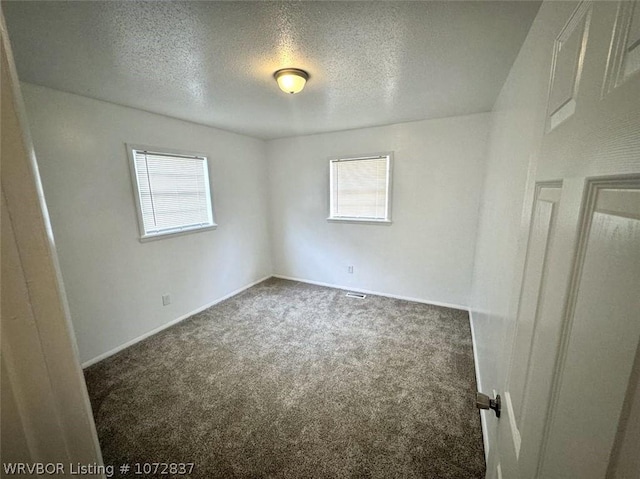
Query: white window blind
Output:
(360,188)
(173,192)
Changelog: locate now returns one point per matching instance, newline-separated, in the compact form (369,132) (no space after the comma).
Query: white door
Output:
(532,363)
(603,324)
(46,415)
(571,407)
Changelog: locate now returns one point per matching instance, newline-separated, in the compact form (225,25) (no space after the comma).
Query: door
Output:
(603,324)
(532,361)
(46,415)
(572,402)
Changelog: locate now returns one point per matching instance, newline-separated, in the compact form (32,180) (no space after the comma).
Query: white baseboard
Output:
(376,293)
(483,419)
(102,356)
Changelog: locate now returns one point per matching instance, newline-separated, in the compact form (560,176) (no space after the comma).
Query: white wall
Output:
(427,253)
(114,282)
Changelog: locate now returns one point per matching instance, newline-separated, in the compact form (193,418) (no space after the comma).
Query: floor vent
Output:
(356,295)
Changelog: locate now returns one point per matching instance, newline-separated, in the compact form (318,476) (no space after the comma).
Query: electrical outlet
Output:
(350,269)
(166,299)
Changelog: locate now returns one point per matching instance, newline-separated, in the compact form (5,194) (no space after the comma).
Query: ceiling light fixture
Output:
(291,80)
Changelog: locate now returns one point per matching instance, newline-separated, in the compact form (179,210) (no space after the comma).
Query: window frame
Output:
(354,219)
(143,236)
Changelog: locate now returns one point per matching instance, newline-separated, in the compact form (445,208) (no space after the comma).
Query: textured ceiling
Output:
(370,63)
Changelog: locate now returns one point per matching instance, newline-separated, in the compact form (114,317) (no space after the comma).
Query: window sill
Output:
(360,221)
(144,239)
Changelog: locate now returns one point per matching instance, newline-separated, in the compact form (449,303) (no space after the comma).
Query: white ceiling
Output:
(370,63)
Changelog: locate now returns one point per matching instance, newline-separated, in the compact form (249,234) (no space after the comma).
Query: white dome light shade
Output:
(291,80)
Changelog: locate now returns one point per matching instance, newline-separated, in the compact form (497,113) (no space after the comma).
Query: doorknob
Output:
(485,402)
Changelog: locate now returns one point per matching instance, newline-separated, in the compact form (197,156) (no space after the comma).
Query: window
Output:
(359,189)
(172,192)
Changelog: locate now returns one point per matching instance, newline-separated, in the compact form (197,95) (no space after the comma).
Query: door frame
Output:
(53,409)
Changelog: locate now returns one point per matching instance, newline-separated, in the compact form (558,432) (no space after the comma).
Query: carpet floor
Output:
(291,380)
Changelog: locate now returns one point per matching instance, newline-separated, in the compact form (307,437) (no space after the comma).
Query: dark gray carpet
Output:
(290,380)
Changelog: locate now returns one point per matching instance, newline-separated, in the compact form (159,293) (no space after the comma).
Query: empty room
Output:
(320,239)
